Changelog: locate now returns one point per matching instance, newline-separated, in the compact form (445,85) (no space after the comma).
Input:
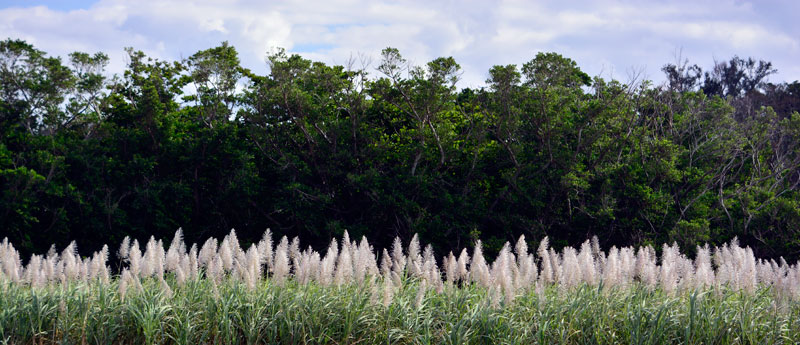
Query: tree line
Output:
(312,150)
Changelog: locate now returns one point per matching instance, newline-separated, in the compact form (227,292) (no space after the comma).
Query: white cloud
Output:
(602,36)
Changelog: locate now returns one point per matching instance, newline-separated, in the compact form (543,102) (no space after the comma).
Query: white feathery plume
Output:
(3,264)
(32,272)
(309,267)
(9,262)
(233,243)
(48,270)
(501,274)
(627,266)
(428,256)
(433,275)
(52,251)
(360,264)
(462,272)
(239,269)
(704,273)
(450,268)
(721,255)
(344,266)
(646,266)
(255,262)
(176,249)
(414,257)
(512,264)
(98,268)
(598,254)
(528,273)
(265,249)
(684,272)
(511,272)
(398,258)
(668,274)
(779,269)
(83,269)
(386,262)
(783,267)
(226,254)
(252,269)
(49,266)
(124,248)
(135,259)
(207,252)
(525,264)
(149,262)
(193,262)
(726,269)
(793,280)
(17,260)
(345,245)
(281,270)
(70,263)
(160,254)
(294,251)
(215,270)
(328,265)
(747,264)
(430,269)
(500,265)
(570,267)
(555,262)
(737,263)
(596,246)
(782,282)
(397,279)
(315,267)
(611,272)
(478,270)
(370,258)
(765,272)
(522,247)
(40,278)
(778,273)
(363,261)
(547,274)
(587,264)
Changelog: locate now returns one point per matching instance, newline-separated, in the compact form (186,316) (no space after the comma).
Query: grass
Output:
(228,312)
(223,294)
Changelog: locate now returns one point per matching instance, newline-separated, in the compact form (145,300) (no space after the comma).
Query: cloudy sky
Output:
(609,38)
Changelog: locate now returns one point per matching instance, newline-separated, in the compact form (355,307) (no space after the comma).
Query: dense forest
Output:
(392,149)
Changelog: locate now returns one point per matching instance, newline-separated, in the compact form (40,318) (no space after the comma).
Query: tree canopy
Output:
(312,149)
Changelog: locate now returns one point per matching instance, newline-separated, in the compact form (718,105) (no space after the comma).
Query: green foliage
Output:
(313,149)
(230,313)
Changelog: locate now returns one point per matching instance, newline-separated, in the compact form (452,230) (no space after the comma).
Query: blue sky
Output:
(613,39)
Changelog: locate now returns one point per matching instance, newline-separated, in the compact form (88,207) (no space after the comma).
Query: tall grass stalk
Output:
(226,294)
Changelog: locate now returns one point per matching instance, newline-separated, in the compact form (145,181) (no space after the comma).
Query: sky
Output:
(607,38)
